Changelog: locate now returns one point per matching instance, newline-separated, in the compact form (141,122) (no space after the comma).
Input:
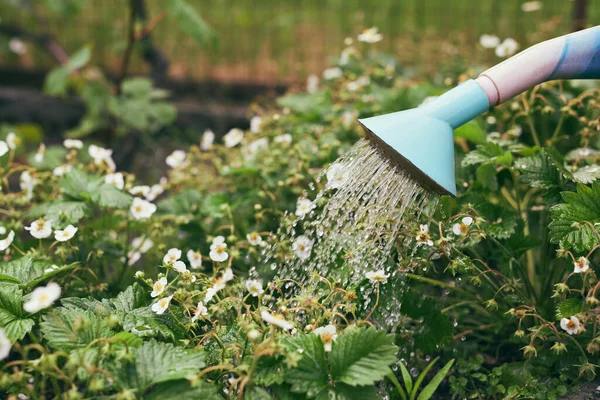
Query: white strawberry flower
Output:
(302,246)
(489,41)
(530,6)
(370,35)
(159,287)
(155,191)
(65,234)
(172,255)
(115,180)
(328,335)
(195,259)
(73,144)
(227,276)
(507,48)
(42,297)
(180,267)
(254,239)
(102,156)
(201,311)
(463,226)
(39,155)
(142,244)
(133,257)
(207,140)
(5,345)
(142,209)
(233,137)
(28,183)
(378,276)
(254,287)
(210,293)
(3,148)
(286,138)
(277,320)
(7,241)
(581,265)
(304,206)
(61,170)
(255,124)
(337,175)
(176,159)
(12,140)
(40,228)
(332,73)
(255,147)
(571,325)
(423,238)
(161,305)
(140,190)
(218,249)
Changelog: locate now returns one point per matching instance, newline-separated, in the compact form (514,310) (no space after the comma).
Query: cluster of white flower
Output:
(423,238)
(581,265)
(571,325)
(254,239)
(506,48)
(302,247)
(378,276)
(328,335)
(176,159)
(41,229)
(218,249)
(102,156)
(142,209)
(139,246)
(254,287)
(462,227)
(370,35)
(218,284)
(233,137)
(42,297)
(304,206)
(277,320)
(337,175)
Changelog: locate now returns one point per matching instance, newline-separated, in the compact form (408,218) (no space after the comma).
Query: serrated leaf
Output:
(60,212)
(76,183)
(538,171)
(107,195)
(487,153)
(155,362)
(568,308)
(362,356)
(486,177)
(67,329)
(132,298)
(256,393)
(143,322)
(587,174)
(310,375)
(26,270)
(183,203)
(183,390)
(572,221)
(12,316)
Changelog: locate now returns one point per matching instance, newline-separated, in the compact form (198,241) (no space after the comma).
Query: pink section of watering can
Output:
(572,56)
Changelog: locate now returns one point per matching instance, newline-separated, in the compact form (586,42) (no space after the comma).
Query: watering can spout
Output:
(420,141)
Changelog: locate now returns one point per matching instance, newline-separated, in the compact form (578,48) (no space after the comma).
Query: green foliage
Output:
(81,186)
(13,319)
(57,81)
(573,222)
(69,328)
(154,363)
(538,171)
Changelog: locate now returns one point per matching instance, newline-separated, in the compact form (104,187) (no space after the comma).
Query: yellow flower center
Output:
(571,325)
(327,337)
(44,297)
(138,208)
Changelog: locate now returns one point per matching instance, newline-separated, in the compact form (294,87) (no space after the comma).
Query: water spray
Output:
(420,141)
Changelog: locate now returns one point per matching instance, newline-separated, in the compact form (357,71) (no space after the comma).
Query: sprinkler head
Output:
(421,141)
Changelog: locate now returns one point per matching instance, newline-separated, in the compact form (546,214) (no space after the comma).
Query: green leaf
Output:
(132,298)
(310,375)
(183,390)
(76,183)
(486,176)
(408,383)
(309,104)
(25,270)
(362,356)
(487,153)
(434,329)
(57,81)
(60,212)
(53,157)
(108,195)
(189,20)
(256,393)
(137,87)
(572,224)
(12,316)
(183,203)
(155,362)
(147,323)
(342,391)
(587,174)
(538,171)
(568,308)
(68,328)
(472,132)
(432,386)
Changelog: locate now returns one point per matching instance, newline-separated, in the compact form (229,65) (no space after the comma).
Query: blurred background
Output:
(63,63)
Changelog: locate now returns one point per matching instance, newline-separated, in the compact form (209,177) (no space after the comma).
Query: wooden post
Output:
(580,9)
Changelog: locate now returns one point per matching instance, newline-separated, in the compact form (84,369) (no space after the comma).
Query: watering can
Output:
(421,141)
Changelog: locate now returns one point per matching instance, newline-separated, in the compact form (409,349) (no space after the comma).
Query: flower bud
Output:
(529,351)
(592,301)
(491,304)
(587,370)
(519,333)
(140,274)
(593,347)
(254,335)
(559,348)
(257,207)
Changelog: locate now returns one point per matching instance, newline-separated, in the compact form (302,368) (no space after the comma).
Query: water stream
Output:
(354,222)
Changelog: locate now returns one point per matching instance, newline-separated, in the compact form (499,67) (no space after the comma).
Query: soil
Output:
(587,391)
